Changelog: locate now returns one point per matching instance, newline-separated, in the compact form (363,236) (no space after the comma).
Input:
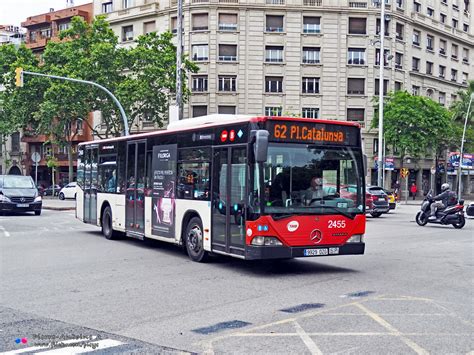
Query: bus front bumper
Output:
(283,252)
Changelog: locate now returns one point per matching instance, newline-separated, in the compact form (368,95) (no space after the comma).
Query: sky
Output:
(13,12)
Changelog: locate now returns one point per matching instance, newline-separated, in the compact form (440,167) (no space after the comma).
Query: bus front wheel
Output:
(194,239)
(107,229)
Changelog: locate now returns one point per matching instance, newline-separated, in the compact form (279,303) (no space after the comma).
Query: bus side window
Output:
(193,181)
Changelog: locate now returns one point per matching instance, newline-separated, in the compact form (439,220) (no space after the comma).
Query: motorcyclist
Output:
(444,199)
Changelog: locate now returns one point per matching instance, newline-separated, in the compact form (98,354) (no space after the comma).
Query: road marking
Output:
(87,347)
(35,348)
(310,344)
(5,232)
(418,349)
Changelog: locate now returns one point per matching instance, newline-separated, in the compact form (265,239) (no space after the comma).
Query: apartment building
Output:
(11,35)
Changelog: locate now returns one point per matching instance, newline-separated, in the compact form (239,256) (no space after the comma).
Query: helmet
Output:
(445,187)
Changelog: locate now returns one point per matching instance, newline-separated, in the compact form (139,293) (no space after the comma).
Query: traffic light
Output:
(19,77)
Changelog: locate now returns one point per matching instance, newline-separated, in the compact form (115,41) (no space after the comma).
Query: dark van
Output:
(19,194)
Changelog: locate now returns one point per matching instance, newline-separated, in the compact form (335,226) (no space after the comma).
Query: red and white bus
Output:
(247,187)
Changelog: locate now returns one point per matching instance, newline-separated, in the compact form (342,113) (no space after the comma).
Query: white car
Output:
(68,191)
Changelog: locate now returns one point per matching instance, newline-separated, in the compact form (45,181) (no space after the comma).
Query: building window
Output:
(200,22)
(227,22)
(416,37)
(454,51)
(200,52)
(310,112)
(415,90)
(274,54)
(455,23)
(107,7)
(386,29)
(377,87)
(199,110)
(149,27)
(416,6)
(226,110)
(386,53)
(356,56)
(127,33)
(274,23)
(400,4)
(398,60)
(228,52)
(63,26)
(355,86)
(227,83)
(311,24)
(398,86)
(400,31)
(430,42)
(442,71)
(272,110)
(356,114)
(442,18)
(454,75)
(46,33)
(415,64)
(442,47)
(311,55)
(310,85)
(464,78)
(273,84)
(200,83)
(15,142)
(174,24)
(465,55)
(442,98)
(429,11)
(429,68)
(465,27)
(357,25)
(127,3)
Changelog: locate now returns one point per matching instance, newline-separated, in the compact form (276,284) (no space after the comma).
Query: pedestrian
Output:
(425,186)
(396,190)
(413,190)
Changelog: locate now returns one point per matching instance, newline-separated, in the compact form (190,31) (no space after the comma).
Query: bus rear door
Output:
(90,184)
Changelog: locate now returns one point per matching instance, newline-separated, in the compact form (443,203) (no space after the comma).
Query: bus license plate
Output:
(22,205)
(315,252)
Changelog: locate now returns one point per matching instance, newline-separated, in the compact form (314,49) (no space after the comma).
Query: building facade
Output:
(40,29)
(315,58)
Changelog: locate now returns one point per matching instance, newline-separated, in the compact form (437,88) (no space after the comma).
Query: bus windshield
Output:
(311,179)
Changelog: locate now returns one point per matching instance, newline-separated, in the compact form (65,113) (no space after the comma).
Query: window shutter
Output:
(357,25)
(228,18)
(149,27)
(227,50)
(274,21)
(200,21)
(356,85)
(311,20)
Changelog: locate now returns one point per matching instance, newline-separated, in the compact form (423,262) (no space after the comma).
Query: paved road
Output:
(61,282)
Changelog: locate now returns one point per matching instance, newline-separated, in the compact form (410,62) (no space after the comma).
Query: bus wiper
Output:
(344,213)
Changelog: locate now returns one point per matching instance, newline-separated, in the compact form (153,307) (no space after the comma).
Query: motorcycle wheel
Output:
(461,223)
(421,219)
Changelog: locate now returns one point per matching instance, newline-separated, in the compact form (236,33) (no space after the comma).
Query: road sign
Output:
(404,173)
(36,157)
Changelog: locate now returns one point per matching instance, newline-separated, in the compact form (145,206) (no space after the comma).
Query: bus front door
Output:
(135,193)
(90,184)
(228,200)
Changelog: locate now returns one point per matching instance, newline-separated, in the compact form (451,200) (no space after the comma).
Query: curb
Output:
(58,208)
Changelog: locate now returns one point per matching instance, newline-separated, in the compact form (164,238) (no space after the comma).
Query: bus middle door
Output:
(135,192)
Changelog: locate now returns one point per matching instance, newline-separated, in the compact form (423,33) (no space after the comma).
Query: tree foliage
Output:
(415,124)
(459,109)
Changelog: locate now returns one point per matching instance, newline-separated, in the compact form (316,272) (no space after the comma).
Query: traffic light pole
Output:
(117,102)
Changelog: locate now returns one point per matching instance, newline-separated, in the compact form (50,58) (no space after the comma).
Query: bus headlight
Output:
(267,241)
(356,238)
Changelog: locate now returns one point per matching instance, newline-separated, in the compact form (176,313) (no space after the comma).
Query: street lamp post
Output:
(462,146)
(381,66)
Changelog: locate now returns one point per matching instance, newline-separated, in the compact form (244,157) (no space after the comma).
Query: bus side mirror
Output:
(260,146)
(365,164)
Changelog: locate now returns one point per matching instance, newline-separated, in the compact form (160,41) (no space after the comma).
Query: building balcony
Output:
(37,43)
(30,137)
(37,20)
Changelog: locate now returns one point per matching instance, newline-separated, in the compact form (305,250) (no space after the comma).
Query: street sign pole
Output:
(36,157)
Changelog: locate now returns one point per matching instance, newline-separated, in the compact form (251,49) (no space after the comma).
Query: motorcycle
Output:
(450,215)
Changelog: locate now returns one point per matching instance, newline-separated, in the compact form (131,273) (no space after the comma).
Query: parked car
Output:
(391,199)
(19,194)
(49,190)
(68,191)
(376,201)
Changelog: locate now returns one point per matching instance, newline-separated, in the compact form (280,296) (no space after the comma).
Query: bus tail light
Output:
(267,241)
(356,238)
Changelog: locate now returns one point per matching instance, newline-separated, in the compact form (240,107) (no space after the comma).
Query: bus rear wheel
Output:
(106,220)
(194,240)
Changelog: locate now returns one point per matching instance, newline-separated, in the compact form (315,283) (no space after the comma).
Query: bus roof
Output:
(217,120)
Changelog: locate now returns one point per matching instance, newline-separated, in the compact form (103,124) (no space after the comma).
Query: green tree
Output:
(459,110)
(415,124)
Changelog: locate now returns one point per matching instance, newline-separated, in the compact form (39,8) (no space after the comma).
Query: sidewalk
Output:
(56,204)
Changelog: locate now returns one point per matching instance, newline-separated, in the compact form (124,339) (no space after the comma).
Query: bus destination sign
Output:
(307,132)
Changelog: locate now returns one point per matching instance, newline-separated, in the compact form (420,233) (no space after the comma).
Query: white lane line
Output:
(5,232)
(36,348)
(414,346)
(86,347)
(310,344)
